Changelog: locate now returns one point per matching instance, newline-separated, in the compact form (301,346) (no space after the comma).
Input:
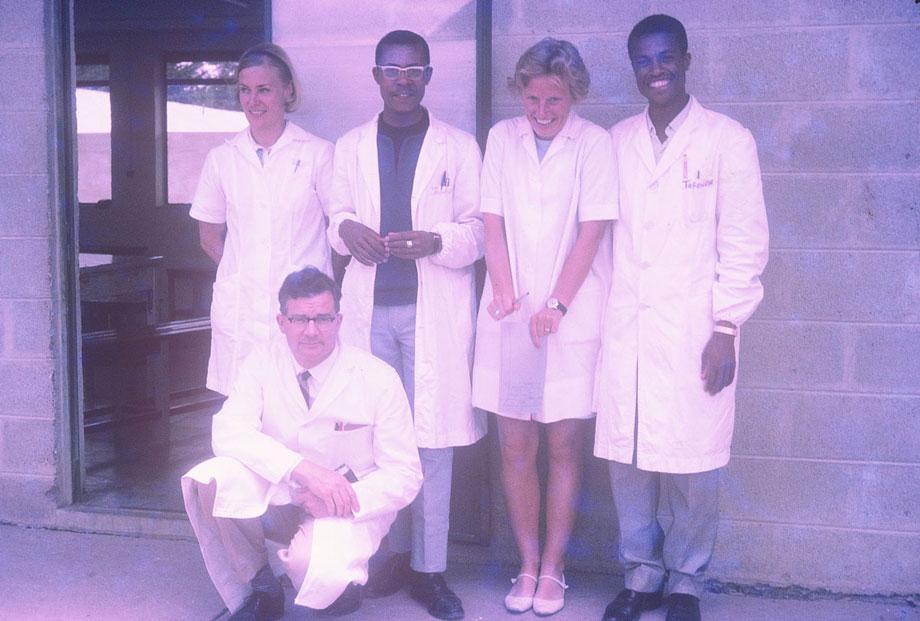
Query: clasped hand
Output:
(370,248)
(323,492)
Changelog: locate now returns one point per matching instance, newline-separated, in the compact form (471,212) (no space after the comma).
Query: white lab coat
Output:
(689,249)
(276,220)
(445,200)
(264,429)
(542,203)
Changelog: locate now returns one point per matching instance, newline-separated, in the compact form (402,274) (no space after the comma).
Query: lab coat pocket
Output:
(699,189)
(335,447)
(224,303)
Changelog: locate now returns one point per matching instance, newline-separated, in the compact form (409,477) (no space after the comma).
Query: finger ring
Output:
(546,330)
(408,243)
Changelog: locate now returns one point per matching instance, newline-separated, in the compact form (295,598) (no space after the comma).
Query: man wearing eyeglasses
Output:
(315,452)
(405,205)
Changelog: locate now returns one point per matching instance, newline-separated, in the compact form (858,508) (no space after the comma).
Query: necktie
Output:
(302,379)
(261,153)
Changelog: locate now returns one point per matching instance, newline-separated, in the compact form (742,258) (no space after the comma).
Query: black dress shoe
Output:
(261,606)
(348,602)
(683,607)
(629,605)
(390,577)
(432,592)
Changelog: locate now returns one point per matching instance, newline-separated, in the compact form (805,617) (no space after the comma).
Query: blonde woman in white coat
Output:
(260,206)
(548,196)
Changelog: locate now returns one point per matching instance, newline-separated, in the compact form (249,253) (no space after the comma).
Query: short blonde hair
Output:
(552,57)
(273,56)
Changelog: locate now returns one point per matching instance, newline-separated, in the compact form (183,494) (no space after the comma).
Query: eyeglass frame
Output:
(402,71)
(322,322)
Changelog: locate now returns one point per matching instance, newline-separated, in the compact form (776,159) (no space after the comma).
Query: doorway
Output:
(153,95)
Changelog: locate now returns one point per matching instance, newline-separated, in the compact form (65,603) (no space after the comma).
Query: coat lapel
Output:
(430,163)
(339,379)
(679,142)
(367,163)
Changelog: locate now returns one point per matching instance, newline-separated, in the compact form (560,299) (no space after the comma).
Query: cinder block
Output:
(882,61)
(841,560)
(25,268)
(23,23)
(867,12)
(27,500)
(30,332)
(700,16)
(27,446)
(887,359)
(25,74)
(833,137)
(562,17)
(862,495)
(874,212)
(23,142)
(27,387)
(842,286)
(24,205)
(771,423)
(792,355)
(776,65)
(354,20)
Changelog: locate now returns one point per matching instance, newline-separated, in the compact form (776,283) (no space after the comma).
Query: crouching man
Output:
(315,451)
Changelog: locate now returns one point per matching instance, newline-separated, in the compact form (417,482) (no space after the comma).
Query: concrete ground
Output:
(58,575)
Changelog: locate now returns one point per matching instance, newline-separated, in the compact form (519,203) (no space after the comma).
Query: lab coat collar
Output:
(677,144)
(429,159)
(338,376)
(570,131)
(244,142)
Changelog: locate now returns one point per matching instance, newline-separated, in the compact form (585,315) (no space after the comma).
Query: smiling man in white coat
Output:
(315,451)
(404,204)
(689,249)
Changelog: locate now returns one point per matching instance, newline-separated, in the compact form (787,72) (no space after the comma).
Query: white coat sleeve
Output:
(341,199)
(323,176)
(398,477)
(491,179)
(236,430)
(597,198)
(463,239)
(742,237)
(210,202)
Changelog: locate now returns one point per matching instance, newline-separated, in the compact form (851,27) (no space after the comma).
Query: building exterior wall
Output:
(824,486)
(30,425)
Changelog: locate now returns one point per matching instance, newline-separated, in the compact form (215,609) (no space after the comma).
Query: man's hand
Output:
(363,243)
(324,491)
(718,362)
(410,245)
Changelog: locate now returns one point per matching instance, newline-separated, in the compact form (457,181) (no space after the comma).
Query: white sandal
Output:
(546,607)
(520,603)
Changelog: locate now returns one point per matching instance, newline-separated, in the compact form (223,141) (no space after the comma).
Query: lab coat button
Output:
(653,186)
(643,306)
(645,265)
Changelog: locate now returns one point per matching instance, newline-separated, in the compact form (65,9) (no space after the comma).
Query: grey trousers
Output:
(668,526)
(421,528)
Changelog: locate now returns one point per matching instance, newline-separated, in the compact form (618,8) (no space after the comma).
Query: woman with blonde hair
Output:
(548,196)
(261,210)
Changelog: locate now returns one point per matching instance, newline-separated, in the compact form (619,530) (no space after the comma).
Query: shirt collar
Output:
(672,127)
(322,370)
(285,137)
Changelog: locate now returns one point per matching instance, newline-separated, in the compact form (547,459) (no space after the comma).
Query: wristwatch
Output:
(555,304)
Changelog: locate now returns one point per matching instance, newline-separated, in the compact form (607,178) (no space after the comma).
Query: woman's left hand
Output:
(544,323)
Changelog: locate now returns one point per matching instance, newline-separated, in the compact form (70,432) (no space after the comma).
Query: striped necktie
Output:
(302,379)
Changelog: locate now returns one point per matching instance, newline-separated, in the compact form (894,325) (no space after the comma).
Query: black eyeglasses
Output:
(302,321)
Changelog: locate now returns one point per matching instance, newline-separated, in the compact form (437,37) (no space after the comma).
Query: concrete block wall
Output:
(29,415)
(822,489)
(331,43)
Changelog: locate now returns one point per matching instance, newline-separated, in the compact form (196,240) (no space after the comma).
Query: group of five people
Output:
(620,263)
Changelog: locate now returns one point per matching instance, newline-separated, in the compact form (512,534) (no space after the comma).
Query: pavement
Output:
(62,575)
